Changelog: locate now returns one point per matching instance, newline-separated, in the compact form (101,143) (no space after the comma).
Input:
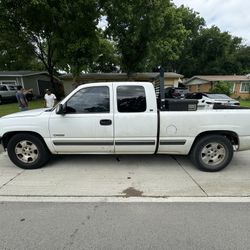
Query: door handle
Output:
(105,122)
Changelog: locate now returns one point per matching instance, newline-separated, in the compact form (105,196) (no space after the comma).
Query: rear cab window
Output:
(131,99)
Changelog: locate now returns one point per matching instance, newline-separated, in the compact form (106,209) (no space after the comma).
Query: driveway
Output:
(124,176)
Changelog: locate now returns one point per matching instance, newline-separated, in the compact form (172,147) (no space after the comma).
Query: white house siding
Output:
(31,82)
(68,87)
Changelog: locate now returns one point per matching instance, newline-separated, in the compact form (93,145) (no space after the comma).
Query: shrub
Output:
(221,88)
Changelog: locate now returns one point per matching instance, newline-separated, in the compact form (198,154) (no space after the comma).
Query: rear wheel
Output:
(212,153)
(27,151)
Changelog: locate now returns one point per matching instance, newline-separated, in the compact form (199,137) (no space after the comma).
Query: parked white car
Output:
(123,118)
(220,99)
(207,100)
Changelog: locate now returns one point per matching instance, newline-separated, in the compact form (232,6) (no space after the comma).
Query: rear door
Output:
(135,117)
(87,126)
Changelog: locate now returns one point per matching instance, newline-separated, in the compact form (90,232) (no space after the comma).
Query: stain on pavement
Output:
(132,192)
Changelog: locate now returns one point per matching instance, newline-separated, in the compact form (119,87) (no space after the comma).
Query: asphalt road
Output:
(124,226)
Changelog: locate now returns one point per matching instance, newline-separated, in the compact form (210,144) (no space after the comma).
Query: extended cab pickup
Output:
(123,118)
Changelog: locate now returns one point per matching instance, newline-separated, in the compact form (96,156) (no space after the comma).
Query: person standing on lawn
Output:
(20,96)
(49,99)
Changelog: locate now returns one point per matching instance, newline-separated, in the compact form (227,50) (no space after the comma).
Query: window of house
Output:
(131,99)
(245,87)
(90,100)
(198,88)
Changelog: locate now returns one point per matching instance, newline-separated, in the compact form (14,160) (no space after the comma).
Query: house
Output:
(239,84)
(171,79)
(36,80)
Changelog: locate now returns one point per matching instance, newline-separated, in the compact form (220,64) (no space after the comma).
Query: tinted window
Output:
(3,88)
(89,100)
(12,88)
(131,99)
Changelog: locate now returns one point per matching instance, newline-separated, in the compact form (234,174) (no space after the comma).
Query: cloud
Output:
(229,15)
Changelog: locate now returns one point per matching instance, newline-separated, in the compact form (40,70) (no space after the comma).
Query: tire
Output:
(212,153)
(1,100)
(27,151)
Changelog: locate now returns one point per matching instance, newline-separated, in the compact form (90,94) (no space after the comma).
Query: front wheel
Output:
(27,151)
(212,153)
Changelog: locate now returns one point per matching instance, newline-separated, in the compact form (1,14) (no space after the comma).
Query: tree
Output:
(58,32)
(193,23)
(107,59)
(147,33)
(78,35)
(16,55)
(242,57)
(212,52)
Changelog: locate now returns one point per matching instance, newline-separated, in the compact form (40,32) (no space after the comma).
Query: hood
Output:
(29,113)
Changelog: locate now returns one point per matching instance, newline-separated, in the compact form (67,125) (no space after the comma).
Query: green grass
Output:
(245,103)
(9,108)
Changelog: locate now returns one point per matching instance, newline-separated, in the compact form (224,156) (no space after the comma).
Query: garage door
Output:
(43,85)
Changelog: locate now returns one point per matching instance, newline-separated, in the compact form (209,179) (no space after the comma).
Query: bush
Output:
(221,88)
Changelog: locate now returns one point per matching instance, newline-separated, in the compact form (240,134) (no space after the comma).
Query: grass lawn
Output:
(245,103)
(8,108)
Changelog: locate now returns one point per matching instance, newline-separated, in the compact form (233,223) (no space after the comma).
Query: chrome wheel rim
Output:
(213,154)
(26,151)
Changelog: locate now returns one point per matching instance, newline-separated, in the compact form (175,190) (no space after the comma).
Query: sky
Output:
(229,15)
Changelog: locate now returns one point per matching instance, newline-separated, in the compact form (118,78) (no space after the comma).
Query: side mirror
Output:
(60,109)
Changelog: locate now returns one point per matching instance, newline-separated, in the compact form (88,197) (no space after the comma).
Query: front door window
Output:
(90,100)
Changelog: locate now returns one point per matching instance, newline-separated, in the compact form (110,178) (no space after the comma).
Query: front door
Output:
(87,125)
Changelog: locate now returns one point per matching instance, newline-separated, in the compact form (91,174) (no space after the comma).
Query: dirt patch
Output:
(132,192)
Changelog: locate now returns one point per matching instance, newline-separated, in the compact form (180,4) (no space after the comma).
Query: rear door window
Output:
(131,99)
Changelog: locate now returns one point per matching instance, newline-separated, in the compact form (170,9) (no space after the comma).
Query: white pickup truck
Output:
(123,118)
(7,93)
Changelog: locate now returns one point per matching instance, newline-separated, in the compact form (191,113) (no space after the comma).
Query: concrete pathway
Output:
(124,176)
